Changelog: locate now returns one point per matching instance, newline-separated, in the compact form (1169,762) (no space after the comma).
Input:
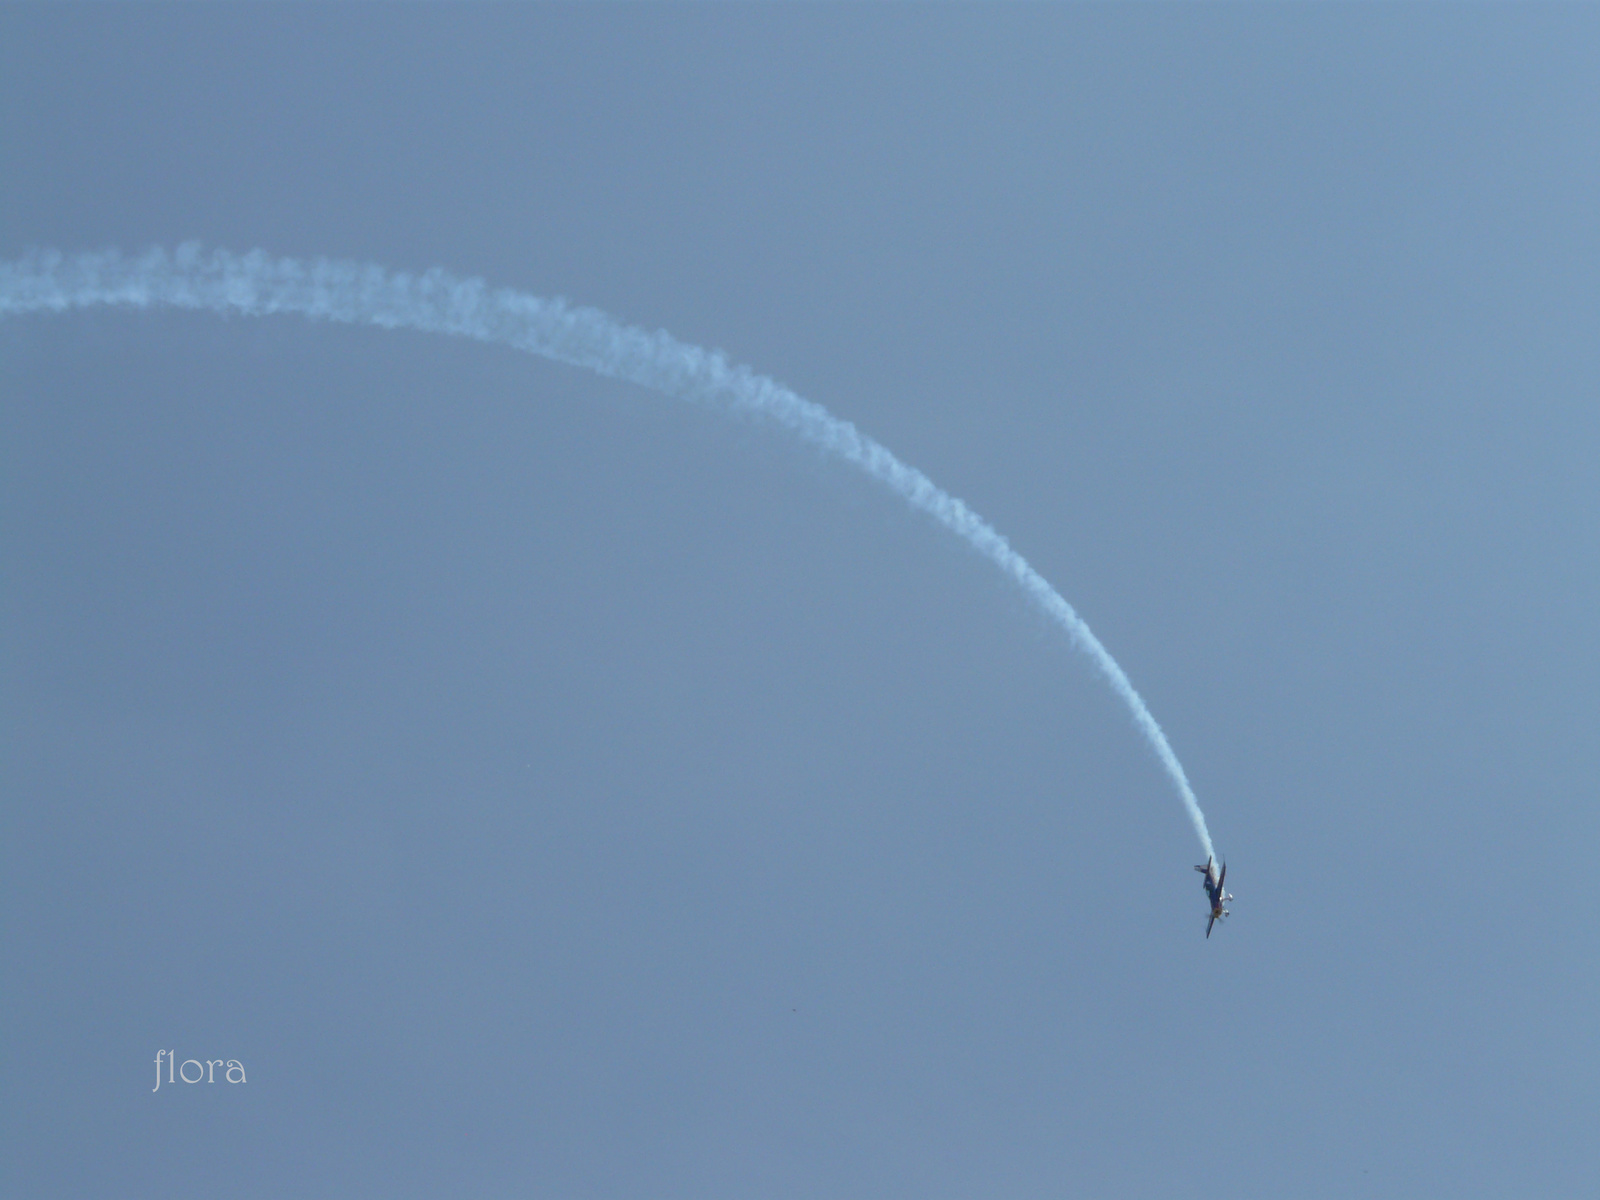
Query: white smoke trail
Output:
(435,302)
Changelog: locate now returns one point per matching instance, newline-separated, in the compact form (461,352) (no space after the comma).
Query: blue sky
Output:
(545,788)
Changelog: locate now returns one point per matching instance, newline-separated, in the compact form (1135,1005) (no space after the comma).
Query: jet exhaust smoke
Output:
(435,302)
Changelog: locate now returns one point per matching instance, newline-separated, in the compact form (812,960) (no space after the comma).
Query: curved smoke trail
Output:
(435,302)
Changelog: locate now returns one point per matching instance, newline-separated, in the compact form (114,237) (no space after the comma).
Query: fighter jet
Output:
(1213,885)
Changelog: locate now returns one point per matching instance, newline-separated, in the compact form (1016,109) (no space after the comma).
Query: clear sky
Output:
(547,789)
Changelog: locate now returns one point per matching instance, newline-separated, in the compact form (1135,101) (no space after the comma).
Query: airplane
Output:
(1213,885)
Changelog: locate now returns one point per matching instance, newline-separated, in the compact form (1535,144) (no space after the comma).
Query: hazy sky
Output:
(548,789)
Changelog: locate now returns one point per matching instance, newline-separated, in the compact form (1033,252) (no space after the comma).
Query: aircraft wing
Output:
(1209,924)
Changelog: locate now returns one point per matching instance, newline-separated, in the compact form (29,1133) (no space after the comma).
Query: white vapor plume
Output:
(435,302)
